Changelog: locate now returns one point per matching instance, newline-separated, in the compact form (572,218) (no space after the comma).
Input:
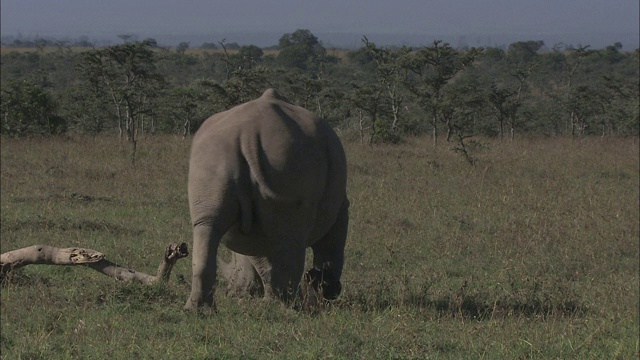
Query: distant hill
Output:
(344,40)
(353,40)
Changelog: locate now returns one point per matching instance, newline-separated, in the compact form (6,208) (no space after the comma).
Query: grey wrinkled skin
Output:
(267,179)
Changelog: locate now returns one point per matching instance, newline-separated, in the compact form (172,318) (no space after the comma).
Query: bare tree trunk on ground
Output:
(48,255)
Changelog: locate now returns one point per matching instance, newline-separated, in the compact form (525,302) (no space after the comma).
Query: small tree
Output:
(366,101)
(566,93)
(301,88)
(463,106)
(128,74)
(584,106)
(391,75)
(620,110)
(28,110)
(86,108)
(250,56)
(521,75)
(523,52)
(302,50)
(152,42)
(40,44)
(612,53)
(182,47)
(501,102)
(186,108)
(244,79)
(432,68)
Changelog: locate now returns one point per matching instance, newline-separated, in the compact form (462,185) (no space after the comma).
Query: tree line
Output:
(381,94)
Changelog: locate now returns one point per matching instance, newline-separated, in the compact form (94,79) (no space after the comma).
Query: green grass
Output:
(532,253)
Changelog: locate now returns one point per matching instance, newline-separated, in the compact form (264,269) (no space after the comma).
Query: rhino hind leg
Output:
(204,265)
(210,224)
(281,273)
(328,257)
(240,276)
(324,282)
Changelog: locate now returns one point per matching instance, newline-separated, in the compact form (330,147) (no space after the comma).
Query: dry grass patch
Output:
(533,252)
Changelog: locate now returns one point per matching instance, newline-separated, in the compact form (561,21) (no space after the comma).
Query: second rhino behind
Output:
(268,180)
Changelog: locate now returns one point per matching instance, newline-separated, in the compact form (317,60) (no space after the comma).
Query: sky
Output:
(576,20)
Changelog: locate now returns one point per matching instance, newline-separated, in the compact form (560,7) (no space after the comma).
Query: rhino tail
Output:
(251,149)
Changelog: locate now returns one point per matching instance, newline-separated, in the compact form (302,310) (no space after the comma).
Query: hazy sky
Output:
(452,17)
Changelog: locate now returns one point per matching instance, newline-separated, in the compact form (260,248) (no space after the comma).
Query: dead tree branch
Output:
(48,255)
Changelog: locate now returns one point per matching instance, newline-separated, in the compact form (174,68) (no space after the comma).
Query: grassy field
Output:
(532,253)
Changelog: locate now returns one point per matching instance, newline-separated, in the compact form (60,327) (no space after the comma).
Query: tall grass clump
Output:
(531,252)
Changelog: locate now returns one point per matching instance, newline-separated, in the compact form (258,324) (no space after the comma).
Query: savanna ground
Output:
(532,253)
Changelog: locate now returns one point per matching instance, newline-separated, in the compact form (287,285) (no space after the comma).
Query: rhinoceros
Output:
(268,180)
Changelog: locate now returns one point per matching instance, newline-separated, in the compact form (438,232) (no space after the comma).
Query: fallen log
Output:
(48,255)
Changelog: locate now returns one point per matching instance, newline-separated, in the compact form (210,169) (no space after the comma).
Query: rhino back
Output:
(288,166)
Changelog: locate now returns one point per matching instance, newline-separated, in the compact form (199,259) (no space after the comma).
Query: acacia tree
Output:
(619,100)
(245,78)
(569,97)
(432,69)
(28,109)
(250,56)
(85,109)
(524,52)
(128,74)
(517,96)
(502,105)
(302,59)
(186,108)
(366,98)
(463,107)
(585,104)
(302,50)
(392,75)
(182,47)
(302,88)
